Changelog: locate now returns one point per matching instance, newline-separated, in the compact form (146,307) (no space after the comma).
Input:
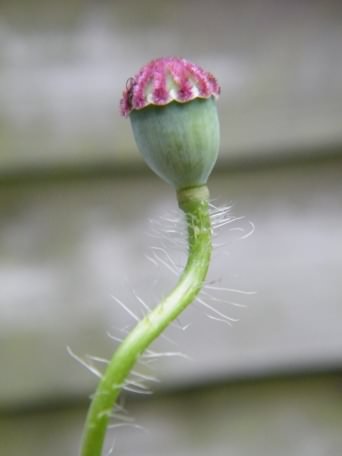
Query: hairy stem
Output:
(194,203)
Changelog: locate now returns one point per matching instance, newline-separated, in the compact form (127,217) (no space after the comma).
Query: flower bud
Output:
(172,108)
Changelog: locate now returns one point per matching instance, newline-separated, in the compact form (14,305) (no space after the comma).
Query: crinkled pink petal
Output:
(167,79)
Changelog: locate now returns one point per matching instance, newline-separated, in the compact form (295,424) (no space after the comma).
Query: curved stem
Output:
(194,203)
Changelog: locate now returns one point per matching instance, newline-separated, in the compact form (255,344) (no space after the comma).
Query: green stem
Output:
(194,203)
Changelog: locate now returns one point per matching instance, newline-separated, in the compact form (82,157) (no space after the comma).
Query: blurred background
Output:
(81,215)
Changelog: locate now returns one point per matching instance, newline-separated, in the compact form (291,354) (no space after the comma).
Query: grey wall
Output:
(81,217)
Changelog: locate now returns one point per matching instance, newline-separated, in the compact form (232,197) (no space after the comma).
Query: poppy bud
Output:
(171,103)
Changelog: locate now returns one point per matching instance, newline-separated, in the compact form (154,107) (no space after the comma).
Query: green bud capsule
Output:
(179,141)
(172,107)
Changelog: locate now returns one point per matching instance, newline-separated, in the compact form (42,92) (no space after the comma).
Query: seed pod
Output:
(172,107)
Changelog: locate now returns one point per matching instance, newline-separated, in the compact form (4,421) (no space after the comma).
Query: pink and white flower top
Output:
(167,79)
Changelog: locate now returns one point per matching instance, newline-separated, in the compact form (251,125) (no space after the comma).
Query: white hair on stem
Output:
(131,385)
(136,387)
(141,301)
(115,338)
(126,308)
(171,232)
(171,263)
(84,363)
(219,315)
(98,359)
(169,229)
(130,425)
(221,216)
(167,262)
(222,301)
(112,446)
(152,355)
(230,290)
